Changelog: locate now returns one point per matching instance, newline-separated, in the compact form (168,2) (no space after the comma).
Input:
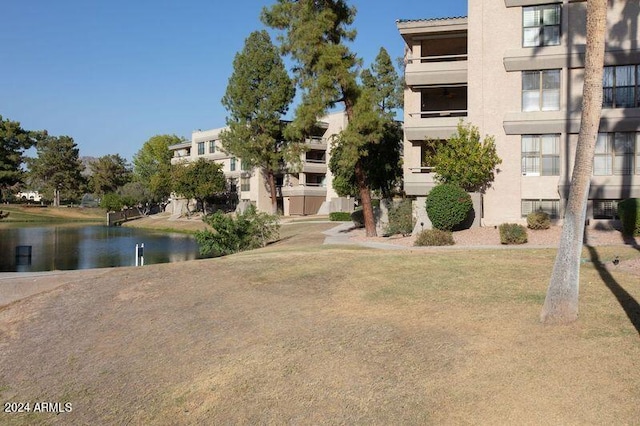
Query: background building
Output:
(514,68)
(301,191)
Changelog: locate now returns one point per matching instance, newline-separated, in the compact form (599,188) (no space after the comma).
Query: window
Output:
(245,183)
(200,148)
(541,90)
(212,147)
(551,207)
(605,209)
(619,87)
(245,166)
(541,25)
(541,155)
(232,166)
(614,154)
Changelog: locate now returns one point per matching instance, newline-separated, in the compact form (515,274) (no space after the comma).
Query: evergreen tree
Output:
(258,95)
(57,167)
(108,173)
(316,34)
(381,158)
(14,141)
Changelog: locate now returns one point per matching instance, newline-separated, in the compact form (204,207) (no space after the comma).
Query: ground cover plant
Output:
(325,334)
(538,220)
(434,237)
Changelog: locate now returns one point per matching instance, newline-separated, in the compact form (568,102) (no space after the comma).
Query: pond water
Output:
(66,247)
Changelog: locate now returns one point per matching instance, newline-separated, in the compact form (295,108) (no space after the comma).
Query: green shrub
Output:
(112,202)
(629,213)
(245,231)
(448,206)
(538,220)
(358,218)
(434,237)
(340,216)
(401,218)
(512,233)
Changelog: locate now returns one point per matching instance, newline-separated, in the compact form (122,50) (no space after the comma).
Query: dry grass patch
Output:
(328,335)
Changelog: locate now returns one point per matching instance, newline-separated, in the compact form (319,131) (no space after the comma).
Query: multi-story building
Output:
(515,68)
(302,190)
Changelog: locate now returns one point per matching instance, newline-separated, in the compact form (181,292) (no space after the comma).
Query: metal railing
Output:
(440,58)
(435,114)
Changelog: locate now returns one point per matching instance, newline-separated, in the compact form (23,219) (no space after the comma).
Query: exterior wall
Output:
(495,62)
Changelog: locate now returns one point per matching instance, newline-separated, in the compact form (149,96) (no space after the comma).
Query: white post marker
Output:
(140,254)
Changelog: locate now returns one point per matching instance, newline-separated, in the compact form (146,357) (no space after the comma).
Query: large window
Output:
(232,165)
(541,90)
(200,148)
(541,25)
(212,147)
(541,155)
(619,87)
(551,207)
(615,154)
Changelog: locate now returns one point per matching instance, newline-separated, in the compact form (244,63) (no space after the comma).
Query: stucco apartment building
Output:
(300,192)
(514,68)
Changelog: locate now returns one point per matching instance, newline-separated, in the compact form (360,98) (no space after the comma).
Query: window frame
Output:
(541,39)
(540,90)
(533,161)
(200,148)
(550,206)
(611,89)
(232,164)
(614,156)
(212,147)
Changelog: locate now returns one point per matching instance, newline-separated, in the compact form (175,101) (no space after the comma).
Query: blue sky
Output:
(111,74)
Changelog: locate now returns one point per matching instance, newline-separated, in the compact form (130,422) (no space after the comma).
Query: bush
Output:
(629,213)
(340,216)
(538,220)
(401,218)
(245,231)
(434,237)
(512,233)
(358,218)
(448,205)
(112,202)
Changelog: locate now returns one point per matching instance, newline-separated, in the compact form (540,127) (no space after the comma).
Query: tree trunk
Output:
(56,197)
(561,302)
(271,180)
(365,198)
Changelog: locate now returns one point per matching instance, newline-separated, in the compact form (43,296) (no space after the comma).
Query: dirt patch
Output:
(325,335)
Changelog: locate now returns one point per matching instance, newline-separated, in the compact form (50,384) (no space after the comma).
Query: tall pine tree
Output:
(316,34)
(258,95)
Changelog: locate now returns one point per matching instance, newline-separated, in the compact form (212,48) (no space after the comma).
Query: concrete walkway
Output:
(340,235)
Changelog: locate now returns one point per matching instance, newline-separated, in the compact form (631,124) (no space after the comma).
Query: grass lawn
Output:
(303,333)
(36,213)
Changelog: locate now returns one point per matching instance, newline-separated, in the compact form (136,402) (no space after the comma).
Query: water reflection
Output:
(82,247)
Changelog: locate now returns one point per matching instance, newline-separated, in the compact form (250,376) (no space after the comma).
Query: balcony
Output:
(418,180)
(423,125)
(316,142)
(443,69)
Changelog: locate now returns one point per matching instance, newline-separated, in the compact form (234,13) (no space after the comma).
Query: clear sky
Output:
(113,73)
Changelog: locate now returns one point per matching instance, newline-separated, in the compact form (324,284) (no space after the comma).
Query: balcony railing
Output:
(315,161)
(441,58)
(434,114)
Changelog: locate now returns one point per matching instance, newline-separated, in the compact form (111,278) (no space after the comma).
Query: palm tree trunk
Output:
(561,302)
